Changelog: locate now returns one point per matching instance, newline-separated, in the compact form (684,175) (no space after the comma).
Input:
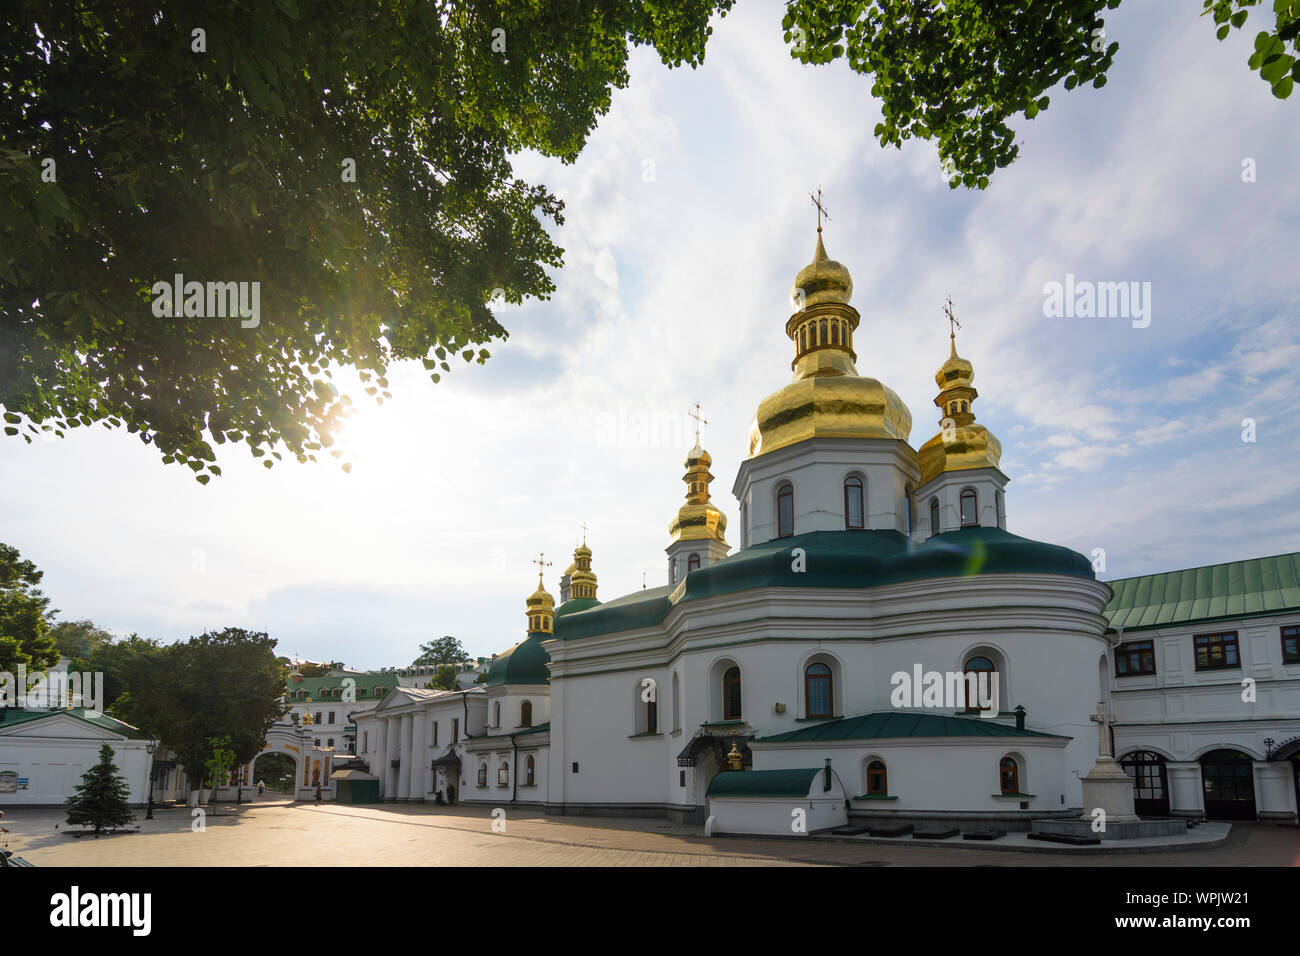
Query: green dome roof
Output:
(525,663)
(575,605)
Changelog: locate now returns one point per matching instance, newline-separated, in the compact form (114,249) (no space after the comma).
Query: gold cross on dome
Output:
(540,562)
(699,420)
(821,210)
(584,532)
(953,324)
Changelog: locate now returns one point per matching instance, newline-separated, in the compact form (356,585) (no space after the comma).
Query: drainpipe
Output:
(514,783)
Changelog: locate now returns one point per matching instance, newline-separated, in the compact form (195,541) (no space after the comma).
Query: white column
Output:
(392,731)
(419,757)
(404,772)
(381,749)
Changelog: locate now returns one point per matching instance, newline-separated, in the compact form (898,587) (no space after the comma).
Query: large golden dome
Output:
(828,398)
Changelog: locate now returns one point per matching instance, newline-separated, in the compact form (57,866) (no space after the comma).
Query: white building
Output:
(868,568)
(44,753)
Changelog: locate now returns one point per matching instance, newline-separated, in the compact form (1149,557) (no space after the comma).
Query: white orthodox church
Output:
(821,664)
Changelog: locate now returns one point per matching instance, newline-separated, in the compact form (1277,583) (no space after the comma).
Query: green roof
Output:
(834,559)
(1236,589)
(11,716)
(365,685)
(764,783)
(525,663)
(892,725)
(577,604)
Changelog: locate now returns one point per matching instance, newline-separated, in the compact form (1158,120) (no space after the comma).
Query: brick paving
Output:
(270,833)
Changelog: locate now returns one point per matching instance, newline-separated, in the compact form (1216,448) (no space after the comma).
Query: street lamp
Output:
(149,748)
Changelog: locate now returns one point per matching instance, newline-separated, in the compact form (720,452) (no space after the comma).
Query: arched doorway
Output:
(1228,779)
(1150,782)
(278,770)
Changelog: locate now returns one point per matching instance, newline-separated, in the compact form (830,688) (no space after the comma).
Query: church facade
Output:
(879,646)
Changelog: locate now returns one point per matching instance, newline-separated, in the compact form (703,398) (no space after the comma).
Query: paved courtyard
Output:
(275,832)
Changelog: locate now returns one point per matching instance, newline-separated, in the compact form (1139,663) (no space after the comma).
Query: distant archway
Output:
(276,769)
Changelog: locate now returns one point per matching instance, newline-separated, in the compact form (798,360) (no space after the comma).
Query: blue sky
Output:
(676,291)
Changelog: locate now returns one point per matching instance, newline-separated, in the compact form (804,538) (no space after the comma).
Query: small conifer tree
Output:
(100,800)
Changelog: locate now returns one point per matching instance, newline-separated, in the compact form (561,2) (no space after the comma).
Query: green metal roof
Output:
(365,685)
(892,725)
(834,559)
(1236,589)
(764,783)
(577,604)
(525,663)
(12,716)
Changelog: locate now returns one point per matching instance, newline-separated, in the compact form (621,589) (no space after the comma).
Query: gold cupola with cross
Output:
(961,443)
(697,532)
(540,605)
(828,398)
(582,580)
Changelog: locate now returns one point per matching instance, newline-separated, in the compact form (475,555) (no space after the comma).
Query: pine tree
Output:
(100,799)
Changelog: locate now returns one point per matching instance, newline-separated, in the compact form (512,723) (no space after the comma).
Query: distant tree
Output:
(92,649)
(223,684)
(100,800)
(24,616)
(314,670)
(445,677)
(444,650)
(219,764)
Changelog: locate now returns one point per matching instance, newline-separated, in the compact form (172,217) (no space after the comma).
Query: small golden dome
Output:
(955,371)
(822,280)
(541,598)
(961,443)
(699,518)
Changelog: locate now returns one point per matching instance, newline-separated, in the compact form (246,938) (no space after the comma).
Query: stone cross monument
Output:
(1107,786)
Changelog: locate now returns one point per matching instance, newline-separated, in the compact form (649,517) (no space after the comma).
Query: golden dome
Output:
(540,609)
(582,580)
(822,280)
(961,443)
(828,398)
(541,598)
(699,518)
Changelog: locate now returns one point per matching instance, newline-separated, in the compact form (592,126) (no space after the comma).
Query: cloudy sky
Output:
(687,218)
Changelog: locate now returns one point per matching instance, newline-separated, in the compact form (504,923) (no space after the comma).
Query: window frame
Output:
(727,682)
(693,562)
(856,482)
(935,517)
(883,771)
(975,507)
(1295,638)
(1146,663)
(1015,776)
(526,714)
(808,678)
(784,493)
(530,771)
(1210,642)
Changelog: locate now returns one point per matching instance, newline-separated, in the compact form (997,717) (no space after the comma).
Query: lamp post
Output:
(149,748)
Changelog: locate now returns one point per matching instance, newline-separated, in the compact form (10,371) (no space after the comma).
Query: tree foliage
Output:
(24,615)
(958,71)
(223,156)
(220,685)
(444,650)
(101,799)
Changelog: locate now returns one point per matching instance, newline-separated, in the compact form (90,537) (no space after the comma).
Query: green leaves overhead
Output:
(1276,67)
(357,167)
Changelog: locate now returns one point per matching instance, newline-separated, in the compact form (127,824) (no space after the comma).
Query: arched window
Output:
(976,666)
(934,515)
(526,714)
(877,778)
(818,690)
(652,716)
(731,694)
(496,714)
(821,337)
(969,514)
(692,563)
(853,518)
(530,772)
(1009,774)
(785,511)
(503,775)
(835,332)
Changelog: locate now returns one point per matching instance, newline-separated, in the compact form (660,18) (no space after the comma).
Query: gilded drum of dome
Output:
(695,522)
(973,446)
(828,406)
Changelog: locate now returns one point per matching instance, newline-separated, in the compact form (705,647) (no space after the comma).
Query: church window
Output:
(821,334)
(526,714)
(969,513)
(818,690)
(837,333)
(318,718)
(934,516)
(435,733)
(1009,774)
(1291,645)
(652,717)
(496,714)
(672,571)
(455,730)
(974,667)
(785,511)
(909,510)
(853,502)
(1002,516)
(692,563)
(530,772)
(1216,650)
(731,694)
(1135,657)
(482,775)
(877,778)
(503,775)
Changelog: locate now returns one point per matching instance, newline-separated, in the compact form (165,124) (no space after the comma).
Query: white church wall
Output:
(52,759)
(779,816)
